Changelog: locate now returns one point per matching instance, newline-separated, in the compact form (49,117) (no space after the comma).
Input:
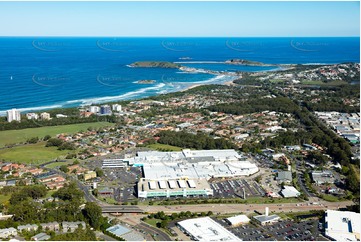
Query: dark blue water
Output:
(38,73)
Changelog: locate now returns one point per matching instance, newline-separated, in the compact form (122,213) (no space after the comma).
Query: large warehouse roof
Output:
(290,191)
(148,188)
(193,164)
(342,225)
(206,229)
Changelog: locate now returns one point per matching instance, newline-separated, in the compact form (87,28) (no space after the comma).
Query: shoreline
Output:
(191,87)
(103,100)
(59,106)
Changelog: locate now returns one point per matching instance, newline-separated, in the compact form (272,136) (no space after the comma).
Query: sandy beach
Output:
(228,83)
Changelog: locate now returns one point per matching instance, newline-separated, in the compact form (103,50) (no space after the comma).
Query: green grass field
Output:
(164,147)
(331,198)
(17,136)
(152,221)
(35,154)
(59,163)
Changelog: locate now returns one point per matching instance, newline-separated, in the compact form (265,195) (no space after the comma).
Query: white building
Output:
(32,116)
(237,220)
(72,226)
(94,109)
(342,225)
(59,115)
(206,229)
(241,136)
(192,164)
(28,227)
(114,163)
(117,107)
(45,116)
(173,188)
(13,115)
(266,218)
(275,128)
(40,237)
(290,191)
(6,233)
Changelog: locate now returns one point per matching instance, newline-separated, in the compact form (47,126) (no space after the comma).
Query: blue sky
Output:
(239,19)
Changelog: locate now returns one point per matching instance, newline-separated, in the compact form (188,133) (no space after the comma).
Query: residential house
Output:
(40,237)
(105,191)
(6,233)
(89,175)
(28,227)
(54,226)
(72,226)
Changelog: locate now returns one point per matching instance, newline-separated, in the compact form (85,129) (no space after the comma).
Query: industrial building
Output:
(284,176)
(342,225)
(206,229)
(290,191)
(321,177)
(237,220)
(192,164)
(173,188)
(266,218)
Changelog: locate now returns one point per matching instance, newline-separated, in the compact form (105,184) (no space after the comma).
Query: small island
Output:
(246,62)
(153,64)
(146,81)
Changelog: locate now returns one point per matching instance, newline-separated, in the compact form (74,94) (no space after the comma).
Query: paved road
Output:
(121,209)
(303,187)
(246,208)
(135,221)
(160,235)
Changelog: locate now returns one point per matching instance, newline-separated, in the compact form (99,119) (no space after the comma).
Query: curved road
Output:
(160,235)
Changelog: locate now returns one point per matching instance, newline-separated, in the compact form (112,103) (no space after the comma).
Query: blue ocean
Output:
(38,73)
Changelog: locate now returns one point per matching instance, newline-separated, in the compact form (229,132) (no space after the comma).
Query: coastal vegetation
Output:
(246,62)
(196,141)
(279,104)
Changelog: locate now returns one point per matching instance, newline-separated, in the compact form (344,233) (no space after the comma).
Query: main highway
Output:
(227,208)
(247,208)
